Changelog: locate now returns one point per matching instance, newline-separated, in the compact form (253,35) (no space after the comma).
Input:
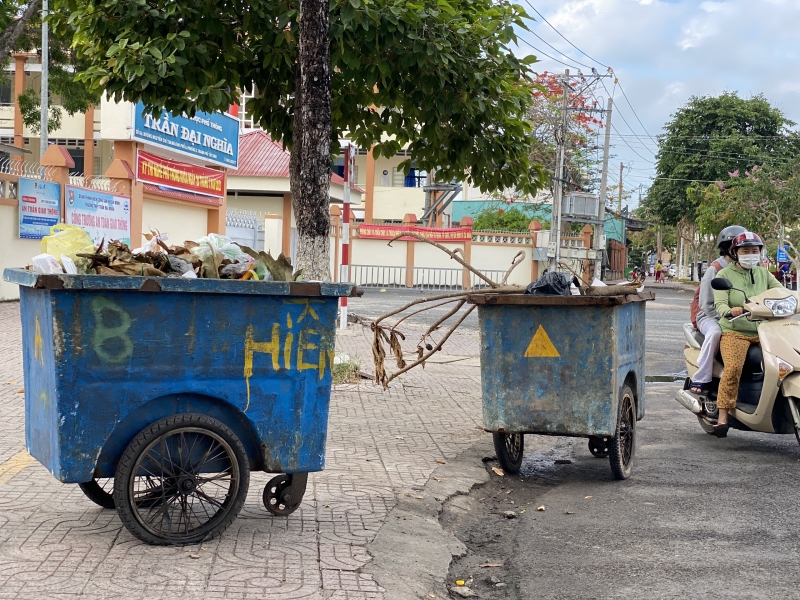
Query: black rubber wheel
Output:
(706,424)
(277,500)
(622,447)
(598,447)
(99,491)
(182,480)
(509,448)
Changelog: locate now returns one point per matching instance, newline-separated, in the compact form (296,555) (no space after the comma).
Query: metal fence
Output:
(244,227)
(435,278)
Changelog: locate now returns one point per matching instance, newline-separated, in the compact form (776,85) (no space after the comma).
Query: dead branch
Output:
(452,254)
(416,312)
(441,320)
(511,289)
(514,262)
(430,353)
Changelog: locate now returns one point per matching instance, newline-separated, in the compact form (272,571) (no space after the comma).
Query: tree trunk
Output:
(310,166)
(10,35)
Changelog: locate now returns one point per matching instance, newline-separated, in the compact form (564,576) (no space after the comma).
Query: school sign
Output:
(209,137)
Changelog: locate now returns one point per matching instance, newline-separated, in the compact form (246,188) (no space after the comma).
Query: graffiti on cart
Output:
(110,340)
(291,345)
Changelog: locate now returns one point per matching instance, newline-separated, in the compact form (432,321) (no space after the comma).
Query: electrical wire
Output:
(548,56)
(562,36)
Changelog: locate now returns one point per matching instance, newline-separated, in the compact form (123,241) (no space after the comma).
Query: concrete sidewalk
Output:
(382,446)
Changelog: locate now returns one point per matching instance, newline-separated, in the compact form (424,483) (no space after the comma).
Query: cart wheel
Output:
(100,491)
(509,448)
(598,447)
(622,447)
(182,480)
(278,498)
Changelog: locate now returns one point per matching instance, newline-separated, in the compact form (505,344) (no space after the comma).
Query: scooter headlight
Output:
(784,307)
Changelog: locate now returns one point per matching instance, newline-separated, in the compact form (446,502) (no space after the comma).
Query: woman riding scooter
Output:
(704,314)
(738,334)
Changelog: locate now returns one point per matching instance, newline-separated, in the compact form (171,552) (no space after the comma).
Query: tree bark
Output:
(10,35)
(310,165)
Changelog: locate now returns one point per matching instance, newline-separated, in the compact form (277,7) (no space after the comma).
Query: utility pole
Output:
(620,189)
(555,218)
(601,217)
(45,84)
(349,168)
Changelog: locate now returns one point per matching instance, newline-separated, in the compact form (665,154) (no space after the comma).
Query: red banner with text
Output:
(179,175)
(387,232)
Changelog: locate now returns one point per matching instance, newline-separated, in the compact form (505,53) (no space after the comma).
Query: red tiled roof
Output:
(188,196)
(259,156)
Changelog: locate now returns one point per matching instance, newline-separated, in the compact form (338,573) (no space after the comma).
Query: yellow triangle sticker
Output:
(541,346)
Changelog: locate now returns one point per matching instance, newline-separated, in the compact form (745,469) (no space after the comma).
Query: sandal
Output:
(697,388)
(720,430)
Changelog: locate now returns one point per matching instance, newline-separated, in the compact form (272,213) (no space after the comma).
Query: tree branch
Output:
(10,35)
(452,254)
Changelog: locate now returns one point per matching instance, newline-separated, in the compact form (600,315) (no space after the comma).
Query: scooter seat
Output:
(752,363)
(694,338)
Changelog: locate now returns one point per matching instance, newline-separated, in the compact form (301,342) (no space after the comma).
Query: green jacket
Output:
(753,282)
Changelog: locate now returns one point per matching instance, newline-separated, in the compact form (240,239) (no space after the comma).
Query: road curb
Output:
(411,554)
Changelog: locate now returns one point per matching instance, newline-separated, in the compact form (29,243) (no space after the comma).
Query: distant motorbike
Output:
(769,390)
(636,274)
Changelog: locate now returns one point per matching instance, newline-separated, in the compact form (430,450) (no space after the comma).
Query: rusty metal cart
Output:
(563,365)
(170,391)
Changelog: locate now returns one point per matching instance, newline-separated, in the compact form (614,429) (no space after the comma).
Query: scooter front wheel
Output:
(706,424)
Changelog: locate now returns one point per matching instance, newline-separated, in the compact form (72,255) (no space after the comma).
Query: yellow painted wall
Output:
(180,222)
(14,252)
(377,252)
(270,205)
(498,258)
(393,203)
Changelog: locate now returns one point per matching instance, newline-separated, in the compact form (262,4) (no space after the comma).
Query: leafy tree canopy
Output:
(707,139)
(21,31)
(441,71)
(502,218)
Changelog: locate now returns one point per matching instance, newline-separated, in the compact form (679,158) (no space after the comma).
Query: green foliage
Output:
(74,96)
(765,200)
(502,218)
(442,71)
(707,139)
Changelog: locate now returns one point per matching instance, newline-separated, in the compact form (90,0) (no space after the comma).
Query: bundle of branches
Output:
(207,258)
(622,289)
(385,334)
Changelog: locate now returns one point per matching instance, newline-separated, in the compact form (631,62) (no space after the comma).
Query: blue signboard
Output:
(39,207)
(211,138)
(782,254)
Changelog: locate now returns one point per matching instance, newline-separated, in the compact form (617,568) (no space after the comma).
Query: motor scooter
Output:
(769,389)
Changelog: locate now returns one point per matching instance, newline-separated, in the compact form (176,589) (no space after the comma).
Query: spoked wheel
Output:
(622,447)
(509,448)
(282,496)
(182,480)
(598,447)
(100,491)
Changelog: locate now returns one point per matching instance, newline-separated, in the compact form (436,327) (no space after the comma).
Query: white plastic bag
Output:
(47,264)
(221,244)
(151,245)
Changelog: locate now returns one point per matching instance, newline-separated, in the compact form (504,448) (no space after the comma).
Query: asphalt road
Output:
(700,517)
(665,315)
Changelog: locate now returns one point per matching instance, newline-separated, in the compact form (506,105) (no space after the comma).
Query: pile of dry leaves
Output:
(209,258)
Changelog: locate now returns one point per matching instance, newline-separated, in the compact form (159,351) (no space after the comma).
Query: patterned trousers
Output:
(734,347)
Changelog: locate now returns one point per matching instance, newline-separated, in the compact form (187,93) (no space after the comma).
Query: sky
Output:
(664,52)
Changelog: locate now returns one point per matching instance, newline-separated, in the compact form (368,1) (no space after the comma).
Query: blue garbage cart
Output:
(563,365)
(160,395)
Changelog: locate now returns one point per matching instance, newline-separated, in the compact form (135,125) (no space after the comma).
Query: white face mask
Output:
(748,261)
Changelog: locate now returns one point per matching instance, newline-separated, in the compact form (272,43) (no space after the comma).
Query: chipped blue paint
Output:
(112,361)
(576,393)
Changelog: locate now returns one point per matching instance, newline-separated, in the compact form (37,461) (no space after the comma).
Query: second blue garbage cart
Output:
(563,365)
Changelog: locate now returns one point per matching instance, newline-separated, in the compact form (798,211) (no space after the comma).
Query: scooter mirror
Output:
(721,284)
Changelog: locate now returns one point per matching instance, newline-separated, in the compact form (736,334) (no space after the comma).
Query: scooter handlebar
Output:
(730,318)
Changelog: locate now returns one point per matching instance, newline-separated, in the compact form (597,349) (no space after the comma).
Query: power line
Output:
(548,56)
(634,110)
(562,36)
(559,51)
